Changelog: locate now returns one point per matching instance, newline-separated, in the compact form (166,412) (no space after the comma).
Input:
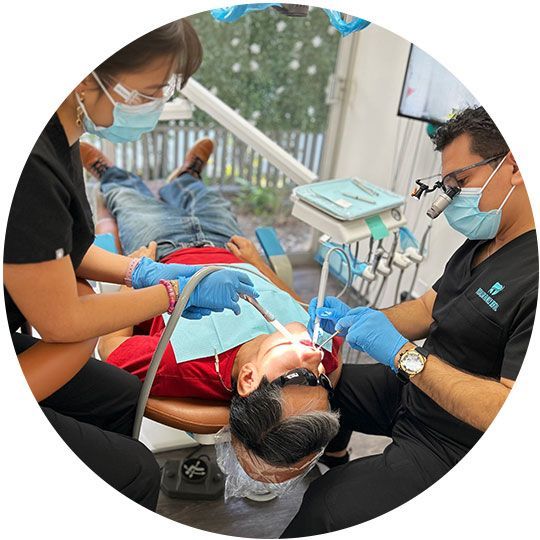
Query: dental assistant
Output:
(49,253)
(435,401)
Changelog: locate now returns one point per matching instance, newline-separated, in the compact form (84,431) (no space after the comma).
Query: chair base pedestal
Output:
(195,478)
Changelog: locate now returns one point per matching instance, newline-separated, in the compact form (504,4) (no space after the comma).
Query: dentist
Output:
(49,253)
(435,401)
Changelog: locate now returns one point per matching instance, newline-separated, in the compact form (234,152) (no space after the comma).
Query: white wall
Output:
(386,149)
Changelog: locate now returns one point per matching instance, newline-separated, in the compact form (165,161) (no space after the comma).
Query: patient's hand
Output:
(146,251)
(245,250)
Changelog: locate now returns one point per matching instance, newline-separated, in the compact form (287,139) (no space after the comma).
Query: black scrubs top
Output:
(50,216)
(483,319)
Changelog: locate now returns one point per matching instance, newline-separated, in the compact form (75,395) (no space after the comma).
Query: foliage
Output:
(272,69)
(259,201)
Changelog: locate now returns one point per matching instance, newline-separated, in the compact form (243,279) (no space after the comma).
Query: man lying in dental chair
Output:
(279,391)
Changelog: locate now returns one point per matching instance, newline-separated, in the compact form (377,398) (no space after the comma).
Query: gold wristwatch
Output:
(411,362)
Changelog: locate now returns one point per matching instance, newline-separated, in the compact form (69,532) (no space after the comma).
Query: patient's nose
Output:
(310,358)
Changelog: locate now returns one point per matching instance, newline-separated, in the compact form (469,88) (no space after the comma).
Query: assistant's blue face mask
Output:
(129,121)
(464,214)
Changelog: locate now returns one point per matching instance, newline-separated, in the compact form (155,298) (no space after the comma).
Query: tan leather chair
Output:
(196,416)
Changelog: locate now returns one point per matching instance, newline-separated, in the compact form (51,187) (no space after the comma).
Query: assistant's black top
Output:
(483,319)
(50,216)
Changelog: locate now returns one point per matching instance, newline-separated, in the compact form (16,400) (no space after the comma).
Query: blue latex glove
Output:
(195,313)
(220,290)
(332,310)
(370,331)
(149,272)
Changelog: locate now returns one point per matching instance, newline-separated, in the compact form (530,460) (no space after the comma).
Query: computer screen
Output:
(430,92)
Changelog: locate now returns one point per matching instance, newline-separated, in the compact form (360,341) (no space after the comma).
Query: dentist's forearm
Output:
(473,399)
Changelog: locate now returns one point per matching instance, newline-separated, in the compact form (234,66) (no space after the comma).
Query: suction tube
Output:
(163,342)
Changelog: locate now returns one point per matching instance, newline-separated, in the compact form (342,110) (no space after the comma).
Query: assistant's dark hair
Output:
(256,421)
(486,139)
(177,39)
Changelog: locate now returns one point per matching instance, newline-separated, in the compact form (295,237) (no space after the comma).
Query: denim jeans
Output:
(187,213)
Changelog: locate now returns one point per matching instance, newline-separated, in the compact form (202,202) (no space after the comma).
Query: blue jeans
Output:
(187,213)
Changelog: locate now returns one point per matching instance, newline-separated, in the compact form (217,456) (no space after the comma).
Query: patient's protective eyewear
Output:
(304,377)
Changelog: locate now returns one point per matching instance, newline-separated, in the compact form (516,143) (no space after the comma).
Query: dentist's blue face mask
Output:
(129,121)
(465,216)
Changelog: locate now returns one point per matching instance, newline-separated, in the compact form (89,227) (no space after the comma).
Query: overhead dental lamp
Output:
(338,20)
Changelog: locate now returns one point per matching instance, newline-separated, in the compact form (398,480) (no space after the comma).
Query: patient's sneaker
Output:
(94,160)
(195,160)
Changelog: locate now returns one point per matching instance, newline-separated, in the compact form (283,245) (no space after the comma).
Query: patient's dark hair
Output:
(486,139)
(256,421)
(177,39)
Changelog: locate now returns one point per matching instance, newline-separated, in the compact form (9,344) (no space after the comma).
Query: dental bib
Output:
(220,332)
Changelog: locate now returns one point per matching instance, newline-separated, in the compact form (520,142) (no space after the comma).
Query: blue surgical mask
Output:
(465,216)
(129,121)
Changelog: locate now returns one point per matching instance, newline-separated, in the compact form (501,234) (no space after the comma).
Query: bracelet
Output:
(173,297)
(129,272)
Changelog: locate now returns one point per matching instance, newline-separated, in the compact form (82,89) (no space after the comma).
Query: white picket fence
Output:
(158,153)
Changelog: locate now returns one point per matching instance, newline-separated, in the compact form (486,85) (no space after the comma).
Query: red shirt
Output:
(196,378)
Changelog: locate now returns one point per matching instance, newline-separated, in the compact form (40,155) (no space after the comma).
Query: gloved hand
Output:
(149,272)
(195,313)
(332,310)
(370,331)
(220,290)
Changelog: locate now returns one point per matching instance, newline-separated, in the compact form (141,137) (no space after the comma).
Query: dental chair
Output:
(191,477)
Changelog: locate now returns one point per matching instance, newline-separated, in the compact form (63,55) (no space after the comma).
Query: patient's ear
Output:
(249,379)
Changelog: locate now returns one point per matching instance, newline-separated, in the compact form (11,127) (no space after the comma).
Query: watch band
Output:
(402,376)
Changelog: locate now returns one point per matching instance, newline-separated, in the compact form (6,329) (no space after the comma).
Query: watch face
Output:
(412,362)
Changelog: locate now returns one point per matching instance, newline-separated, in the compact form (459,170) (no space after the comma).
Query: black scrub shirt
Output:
(483,319)
(50,216)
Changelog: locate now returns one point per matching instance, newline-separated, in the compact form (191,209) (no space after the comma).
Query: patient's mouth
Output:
(307,343)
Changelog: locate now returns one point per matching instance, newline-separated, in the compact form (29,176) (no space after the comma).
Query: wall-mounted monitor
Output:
(430,92)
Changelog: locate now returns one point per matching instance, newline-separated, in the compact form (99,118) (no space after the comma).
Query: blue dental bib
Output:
(220,332)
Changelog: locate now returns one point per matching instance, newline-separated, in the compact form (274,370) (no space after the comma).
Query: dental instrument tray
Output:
(347,199)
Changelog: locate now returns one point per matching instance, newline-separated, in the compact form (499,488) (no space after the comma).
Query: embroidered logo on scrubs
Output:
(496,288)
(487,297)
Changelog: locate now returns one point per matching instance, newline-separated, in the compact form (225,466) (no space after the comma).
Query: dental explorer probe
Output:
(328,339)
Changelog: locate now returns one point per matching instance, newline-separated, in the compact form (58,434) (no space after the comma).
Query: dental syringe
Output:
(270,317)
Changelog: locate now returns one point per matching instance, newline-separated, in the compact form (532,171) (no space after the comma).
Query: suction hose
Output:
(183,299)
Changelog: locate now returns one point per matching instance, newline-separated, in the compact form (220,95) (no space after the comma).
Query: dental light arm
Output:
(164,340)
(199,96)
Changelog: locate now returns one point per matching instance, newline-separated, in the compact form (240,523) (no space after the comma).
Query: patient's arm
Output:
(245,250)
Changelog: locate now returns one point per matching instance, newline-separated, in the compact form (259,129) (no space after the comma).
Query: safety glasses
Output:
(304,377)
(134,97)
(450,181)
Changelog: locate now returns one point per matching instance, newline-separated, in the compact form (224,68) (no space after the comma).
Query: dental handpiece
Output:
(265,313)
(325,270)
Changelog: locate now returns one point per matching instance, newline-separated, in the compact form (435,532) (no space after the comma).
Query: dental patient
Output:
(279,391)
